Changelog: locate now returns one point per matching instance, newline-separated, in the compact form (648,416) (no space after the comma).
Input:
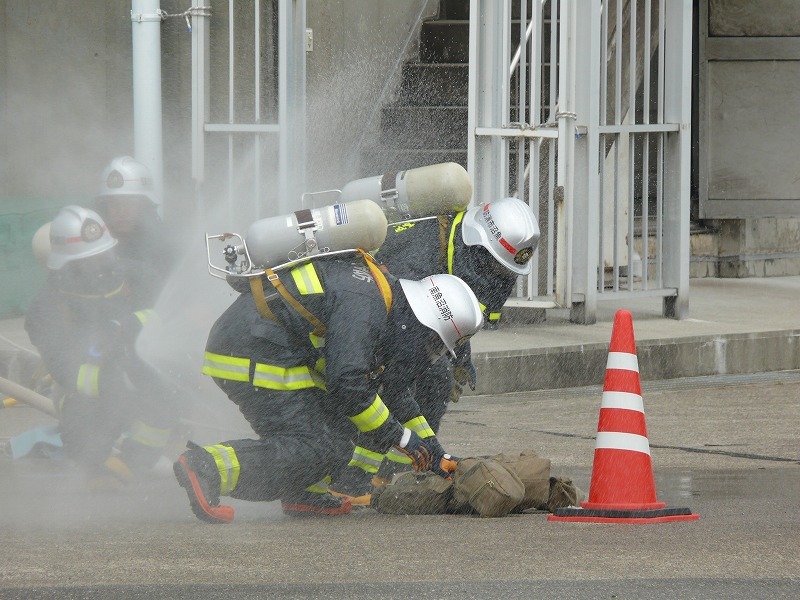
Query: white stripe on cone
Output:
(624,400)
(612,440)
(622,360)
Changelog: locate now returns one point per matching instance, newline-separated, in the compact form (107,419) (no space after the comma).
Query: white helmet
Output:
(445,304)
(77,233)
(125,176)
(507,228)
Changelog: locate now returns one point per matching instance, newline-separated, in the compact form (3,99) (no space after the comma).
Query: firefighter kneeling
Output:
(314,357)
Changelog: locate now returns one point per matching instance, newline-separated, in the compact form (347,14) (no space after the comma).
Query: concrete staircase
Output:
(427,121)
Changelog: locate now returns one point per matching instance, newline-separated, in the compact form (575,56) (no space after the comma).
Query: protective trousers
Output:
(299,443)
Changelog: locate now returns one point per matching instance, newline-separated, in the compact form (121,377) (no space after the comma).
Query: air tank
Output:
(347,225)
(421,192)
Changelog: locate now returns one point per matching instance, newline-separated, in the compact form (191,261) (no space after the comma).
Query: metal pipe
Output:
(27,396)
(147,125)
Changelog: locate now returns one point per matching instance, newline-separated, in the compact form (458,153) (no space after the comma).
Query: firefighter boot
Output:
(197,473)
(315,504)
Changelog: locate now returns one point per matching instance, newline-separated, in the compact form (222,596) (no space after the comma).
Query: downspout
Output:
(146,18)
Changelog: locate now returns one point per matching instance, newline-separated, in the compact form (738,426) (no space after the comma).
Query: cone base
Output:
(661,515)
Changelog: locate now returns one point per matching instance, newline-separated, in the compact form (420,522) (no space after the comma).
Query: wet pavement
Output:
(727,447)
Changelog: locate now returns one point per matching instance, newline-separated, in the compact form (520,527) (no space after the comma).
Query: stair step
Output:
(448,41)
(424,126)
(443,84)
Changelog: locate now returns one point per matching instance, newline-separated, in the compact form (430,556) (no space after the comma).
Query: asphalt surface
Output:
(726,447)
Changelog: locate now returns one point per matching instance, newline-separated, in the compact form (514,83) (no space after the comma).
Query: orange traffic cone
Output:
(622,489)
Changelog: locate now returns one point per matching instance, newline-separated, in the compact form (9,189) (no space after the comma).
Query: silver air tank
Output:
(422,192)
(276,240)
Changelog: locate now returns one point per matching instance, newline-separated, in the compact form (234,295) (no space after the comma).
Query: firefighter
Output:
(128,203)
(488,246)
(316,357)
(115,416)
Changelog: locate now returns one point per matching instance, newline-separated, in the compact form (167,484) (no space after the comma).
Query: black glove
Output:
(426,454)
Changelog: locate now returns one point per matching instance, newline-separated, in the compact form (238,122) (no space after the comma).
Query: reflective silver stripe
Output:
(226,367)
(88,375)
(613,440)
(622,360)
(397,456)
(149,436)
(286,378)
(624,400)
(366,459)
(227,465)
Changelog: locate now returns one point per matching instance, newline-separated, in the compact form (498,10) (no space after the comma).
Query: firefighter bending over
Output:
(488,246)
(315,358)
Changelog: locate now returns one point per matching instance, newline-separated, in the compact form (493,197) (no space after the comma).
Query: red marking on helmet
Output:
(508,246)
(485,207)
(458,331)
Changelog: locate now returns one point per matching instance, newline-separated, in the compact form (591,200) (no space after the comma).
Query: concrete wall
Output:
(66,97)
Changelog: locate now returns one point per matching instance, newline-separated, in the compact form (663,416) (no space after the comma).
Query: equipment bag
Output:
(485,486)
(412,493)
(534,472)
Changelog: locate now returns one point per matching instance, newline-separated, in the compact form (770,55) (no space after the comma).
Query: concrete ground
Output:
(721,394)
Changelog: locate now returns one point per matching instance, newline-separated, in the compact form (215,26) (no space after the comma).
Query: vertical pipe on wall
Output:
(147,125)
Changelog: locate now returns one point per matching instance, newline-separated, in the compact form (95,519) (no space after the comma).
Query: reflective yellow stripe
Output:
(321,486)
(306,280)
(397,456)
(419,426)
(495,316)
(148,435)
(450,248)
(226,367)
(366,460)
(289,378)
(316,341)
(146,315)
(87,380)
(373,417)
(227,465)
(319,366)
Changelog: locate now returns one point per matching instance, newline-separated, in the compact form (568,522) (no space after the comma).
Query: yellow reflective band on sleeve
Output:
(146,316)
(397,456)
(419,426)
(365,459)
(286,378)
(226,367)
(306,279)
(147,435)
(494,316)
(450,248)
(87,380)
(373,417)
(227,465)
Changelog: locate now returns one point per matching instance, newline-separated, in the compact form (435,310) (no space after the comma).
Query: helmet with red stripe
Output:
(507,228)
(77,233)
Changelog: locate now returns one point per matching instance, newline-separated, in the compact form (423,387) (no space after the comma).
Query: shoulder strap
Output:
(319,326)
(450,248)
(444,225)
(257,289)
(379,277)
